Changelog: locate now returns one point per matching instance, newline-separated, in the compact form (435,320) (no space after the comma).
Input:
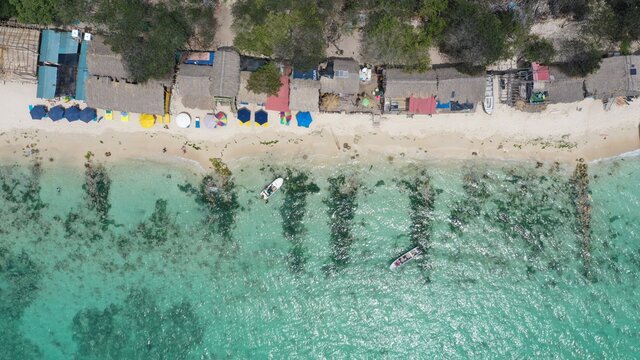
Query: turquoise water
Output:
(149,261)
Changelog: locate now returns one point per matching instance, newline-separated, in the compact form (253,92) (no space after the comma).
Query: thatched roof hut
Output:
(401,84)
(102,61)
(225,74)
(246,96)
(192,86)
(341,77)
(305,95)
(456,86)
(563,88)
(104,93)
(617,76)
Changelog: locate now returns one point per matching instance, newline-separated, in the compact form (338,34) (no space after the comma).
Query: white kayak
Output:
(271,188)
(406,257)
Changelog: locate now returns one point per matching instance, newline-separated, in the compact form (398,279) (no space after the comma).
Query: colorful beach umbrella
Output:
(72,113)
(261,118)
(38,112)
(244,115)
(183,120)
(222,119)
(147,121)
(56,113)
(88,114)
(210,121)
(304,118)
(285,118)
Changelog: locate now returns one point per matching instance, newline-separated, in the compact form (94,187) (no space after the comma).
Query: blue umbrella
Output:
(56,113)
(261,117)
(88,114)
(244,115)
(304,118)
(38,112)
(72,113)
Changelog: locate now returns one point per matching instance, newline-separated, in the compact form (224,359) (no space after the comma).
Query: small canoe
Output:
(406,257)
(271,188)
(489,100)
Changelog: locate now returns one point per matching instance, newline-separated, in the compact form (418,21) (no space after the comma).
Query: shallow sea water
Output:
(162,274)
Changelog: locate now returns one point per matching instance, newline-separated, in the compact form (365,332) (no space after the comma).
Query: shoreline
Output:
(562,133)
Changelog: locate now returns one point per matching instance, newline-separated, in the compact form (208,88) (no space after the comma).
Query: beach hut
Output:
(340,76)
(305,95)
(38,112)
(72,113)
(105,93)
(617,76)
(56,113)
(244,116)
(102,61)
(87,114)
(563,88)
(304,119)
(225,75)
(401,85)
(463,91)
(193,87)
(261,118)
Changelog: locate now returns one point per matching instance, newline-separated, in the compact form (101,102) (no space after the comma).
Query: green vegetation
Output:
(292,30)
(265,80)
(473,34)
(7,10)
(539,49)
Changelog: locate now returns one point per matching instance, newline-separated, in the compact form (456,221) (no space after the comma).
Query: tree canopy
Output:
(265,80)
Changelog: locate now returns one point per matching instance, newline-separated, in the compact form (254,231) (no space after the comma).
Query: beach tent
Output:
(183,120)
(304,118)
(147,121)
(261,118)
(88,114)
(38,112)
(56,113)
(244,115)
(209,121)
(72,113)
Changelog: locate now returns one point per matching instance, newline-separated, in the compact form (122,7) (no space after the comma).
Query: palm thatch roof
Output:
(193,83)
(615,78)
(346,78)
(104,93)
(563,88)
(225,74)
(456,86)
(447,84)
(246,96)
(305,95)
(102,61)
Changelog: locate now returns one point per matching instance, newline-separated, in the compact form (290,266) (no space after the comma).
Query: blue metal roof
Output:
(49,46)
(83,72)
(68,45)
(47,77)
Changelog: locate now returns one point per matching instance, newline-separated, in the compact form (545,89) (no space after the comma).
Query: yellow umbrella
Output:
(147,121)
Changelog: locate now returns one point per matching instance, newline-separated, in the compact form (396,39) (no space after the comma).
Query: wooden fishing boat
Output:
(406,257)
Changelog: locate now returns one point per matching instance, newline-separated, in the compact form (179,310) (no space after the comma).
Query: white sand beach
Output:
(562,133)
